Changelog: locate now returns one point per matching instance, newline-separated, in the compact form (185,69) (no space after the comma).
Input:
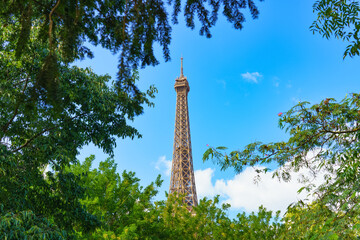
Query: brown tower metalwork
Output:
(182,172)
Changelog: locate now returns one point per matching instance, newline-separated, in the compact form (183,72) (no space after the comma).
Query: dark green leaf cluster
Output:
(25,187)
(129,28)
(88,108)
(26,225)
(36,133)
(339,18)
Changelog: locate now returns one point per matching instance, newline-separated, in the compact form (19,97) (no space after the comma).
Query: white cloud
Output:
(251,77)
(204,187)
(242,193)
(163,165)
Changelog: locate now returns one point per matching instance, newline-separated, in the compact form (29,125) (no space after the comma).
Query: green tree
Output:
(123,206)
(323,138)
(329,133)
(205,221)
(260,225)
(35,133)
(339,18)
(318,221)
(209,221)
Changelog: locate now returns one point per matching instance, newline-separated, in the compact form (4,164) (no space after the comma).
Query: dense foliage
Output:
(26,225)
(36,132)
(128,211)
(117,200)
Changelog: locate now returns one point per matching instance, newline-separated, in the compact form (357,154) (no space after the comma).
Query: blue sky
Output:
(239,82)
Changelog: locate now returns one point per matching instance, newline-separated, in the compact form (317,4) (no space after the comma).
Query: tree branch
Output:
(43,131)
(33,137)
(344,131)
(51,24)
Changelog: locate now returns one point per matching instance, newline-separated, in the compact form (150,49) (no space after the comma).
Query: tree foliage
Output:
(128,211)
(322,137)
(55,197)
(129,28)
(208,220)
(318,221)
(327,130)
(340,19)
(118,201)
(35,133)
(26,225)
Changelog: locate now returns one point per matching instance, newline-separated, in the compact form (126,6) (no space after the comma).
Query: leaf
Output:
(221,148)
(301,189)
(207,154)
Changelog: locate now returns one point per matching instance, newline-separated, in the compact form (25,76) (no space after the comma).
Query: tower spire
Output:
(181,71)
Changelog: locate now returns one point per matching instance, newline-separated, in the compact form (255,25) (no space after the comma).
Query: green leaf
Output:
(221,148)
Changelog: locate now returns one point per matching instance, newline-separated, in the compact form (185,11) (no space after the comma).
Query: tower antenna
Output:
(182,70)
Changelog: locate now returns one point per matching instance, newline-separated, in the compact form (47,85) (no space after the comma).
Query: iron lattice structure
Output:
(182,172)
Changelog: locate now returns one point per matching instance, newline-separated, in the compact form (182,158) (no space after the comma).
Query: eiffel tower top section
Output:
(181,82)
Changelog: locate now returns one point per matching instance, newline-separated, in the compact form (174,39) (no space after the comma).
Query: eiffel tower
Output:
(182,172)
